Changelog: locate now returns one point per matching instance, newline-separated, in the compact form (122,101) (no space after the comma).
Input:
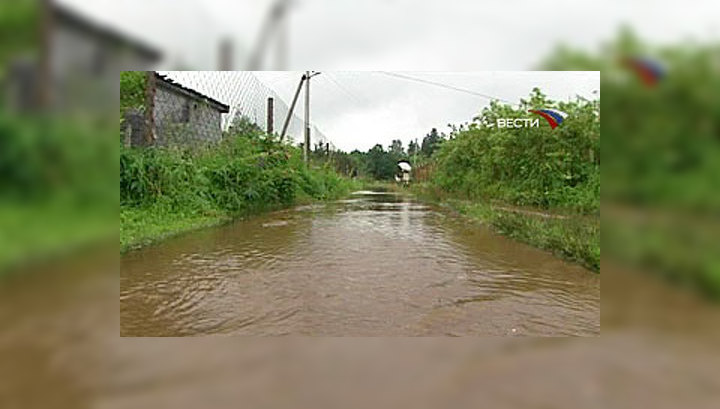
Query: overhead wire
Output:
(446,86)
(330,77)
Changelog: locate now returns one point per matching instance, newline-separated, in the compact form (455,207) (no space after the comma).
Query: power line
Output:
(447,86)
(344,89)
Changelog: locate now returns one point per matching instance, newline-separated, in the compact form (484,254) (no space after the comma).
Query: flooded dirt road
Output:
(59,348)
(373,264)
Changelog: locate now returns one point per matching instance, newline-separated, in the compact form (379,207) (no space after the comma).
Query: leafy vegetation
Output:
(485,171)
(660,143)
(571,237)
(660,147)
(167,190)
(379,163)
(528,166)
(132,90)
(49,202)
(18,29)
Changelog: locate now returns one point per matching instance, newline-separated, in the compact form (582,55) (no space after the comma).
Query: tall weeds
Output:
(533,166)
(246,172)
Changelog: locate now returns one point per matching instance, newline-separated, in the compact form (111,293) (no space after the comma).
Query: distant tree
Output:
(344,163)
(430,143)
(413,148)
(379,163)
(359,160)
(396,148)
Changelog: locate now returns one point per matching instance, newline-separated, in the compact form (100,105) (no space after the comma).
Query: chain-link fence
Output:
(190,107)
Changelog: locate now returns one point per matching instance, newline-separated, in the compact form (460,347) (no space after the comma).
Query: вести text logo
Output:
(553,116)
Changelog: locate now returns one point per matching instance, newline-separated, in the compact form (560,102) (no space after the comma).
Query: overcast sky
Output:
(408,35)
(401,34)
(358,109)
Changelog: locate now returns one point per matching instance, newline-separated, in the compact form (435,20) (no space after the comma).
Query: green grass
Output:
(679,247)
(142,226)
(571,236)
(31,231)
(58,190)
(164,192)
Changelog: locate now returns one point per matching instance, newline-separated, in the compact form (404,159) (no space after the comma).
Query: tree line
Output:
(379,162)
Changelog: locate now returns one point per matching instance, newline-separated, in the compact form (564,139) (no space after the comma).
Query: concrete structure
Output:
(79,65)
(184,116)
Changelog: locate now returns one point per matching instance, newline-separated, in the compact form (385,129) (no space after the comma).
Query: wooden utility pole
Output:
(308,75)
(270,115)
(274,24)
(306,146)
(292,108)
(225,55)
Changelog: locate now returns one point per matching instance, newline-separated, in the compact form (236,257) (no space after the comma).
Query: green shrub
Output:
(243,173)
(526,166)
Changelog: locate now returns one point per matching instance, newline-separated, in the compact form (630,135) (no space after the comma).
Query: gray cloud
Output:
(359,109)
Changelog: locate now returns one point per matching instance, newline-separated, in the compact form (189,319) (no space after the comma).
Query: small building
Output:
(181,116)
(81,46)
(78,66)
(185,116)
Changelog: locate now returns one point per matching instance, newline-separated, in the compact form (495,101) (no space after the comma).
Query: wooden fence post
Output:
(270,115)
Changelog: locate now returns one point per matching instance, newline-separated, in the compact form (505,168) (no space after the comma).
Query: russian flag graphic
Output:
(553,116)
(650,71)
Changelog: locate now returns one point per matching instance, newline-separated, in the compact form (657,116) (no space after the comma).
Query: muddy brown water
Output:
(60,348)
(376,263)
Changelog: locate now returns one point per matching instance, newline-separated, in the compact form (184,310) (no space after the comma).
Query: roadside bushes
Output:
(58,189)
(46,158)
(542,167)
(244,172)
(575,239)
(533,166)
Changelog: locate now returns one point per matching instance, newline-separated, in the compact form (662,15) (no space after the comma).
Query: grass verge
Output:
(573,237)
(144,226)
(31,232)
(165,191)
